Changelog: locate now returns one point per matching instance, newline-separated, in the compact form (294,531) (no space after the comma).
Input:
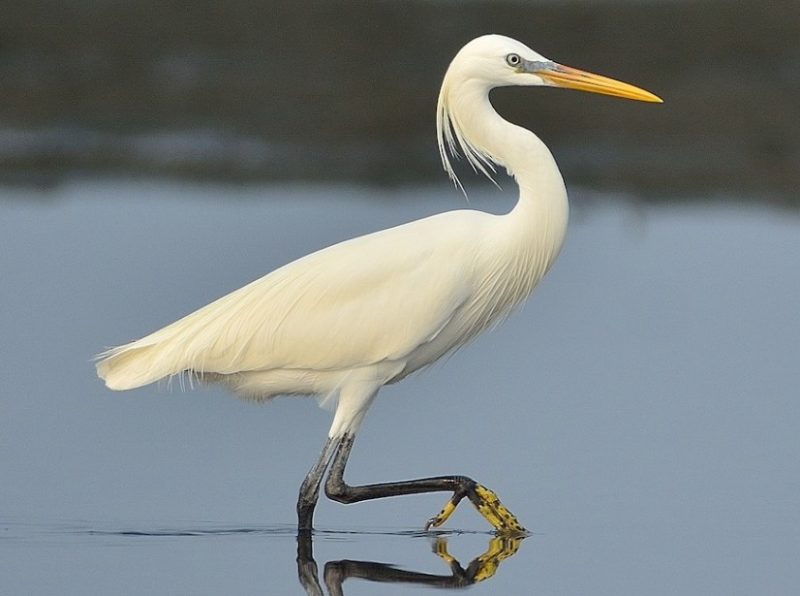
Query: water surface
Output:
(639,415)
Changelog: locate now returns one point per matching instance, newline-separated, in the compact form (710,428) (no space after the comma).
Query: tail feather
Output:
(132,365)
(205,342)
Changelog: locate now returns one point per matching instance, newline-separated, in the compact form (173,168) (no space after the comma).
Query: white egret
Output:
(346,320)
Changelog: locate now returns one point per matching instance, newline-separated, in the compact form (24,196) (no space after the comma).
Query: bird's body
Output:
(335,319)
(348,319)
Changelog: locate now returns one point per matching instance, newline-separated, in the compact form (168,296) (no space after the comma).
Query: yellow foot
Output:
(441,517)
(488,505)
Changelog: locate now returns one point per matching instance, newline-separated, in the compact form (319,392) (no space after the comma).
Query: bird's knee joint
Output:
(465,484)
(339,492)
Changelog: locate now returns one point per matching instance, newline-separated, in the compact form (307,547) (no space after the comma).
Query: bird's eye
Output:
(513,59)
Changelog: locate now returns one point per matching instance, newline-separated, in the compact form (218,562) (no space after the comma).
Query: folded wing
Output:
(371,299)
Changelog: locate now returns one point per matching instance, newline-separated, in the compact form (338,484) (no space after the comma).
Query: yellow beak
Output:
(572,78)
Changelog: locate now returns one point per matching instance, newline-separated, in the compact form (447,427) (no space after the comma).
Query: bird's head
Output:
(497,61)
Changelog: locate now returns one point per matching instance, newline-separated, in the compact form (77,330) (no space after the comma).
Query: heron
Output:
(342,322)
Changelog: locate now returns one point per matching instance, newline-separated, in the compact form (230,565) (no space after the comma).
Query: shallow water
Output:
(640,415)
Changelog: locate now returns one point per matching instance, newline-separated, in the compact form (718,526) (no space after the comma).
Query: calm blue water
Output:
(640,415)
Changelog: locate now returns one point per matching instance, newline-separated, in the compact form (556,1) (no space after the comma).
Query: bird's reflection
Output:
(336,572)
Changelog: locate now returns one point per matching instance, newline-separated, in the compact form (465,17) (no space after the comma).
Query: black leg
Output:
(309,490)
(484,499)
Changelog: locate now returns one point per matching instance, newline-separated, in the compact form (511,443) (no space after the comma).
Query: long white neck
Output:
(537,224)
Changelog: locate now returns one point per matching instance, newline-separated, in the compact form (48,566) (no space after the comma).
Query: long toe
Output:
(489,506)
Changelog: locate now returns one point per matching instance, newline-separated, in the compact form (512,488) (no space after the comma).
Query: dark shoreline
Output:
(345,91)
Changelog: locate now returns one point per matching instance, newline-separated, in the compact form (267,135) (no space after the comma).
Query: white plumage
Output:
(303,327)
(376,307)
